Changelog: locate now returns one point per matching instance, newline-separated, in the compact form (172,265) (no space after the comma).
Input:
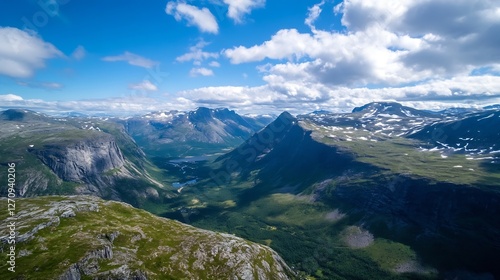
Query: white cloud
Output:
(286,43)
(390,43)
(196,54)
(345,59)
(303,96)
(201,18)
(361,14)
(201,72)
(295,96)
(10,97)
(214,64)
(79,53)
(239,8)
(313,14)
(21,53)
(124,106)
(428,54)
(132,59)
(145,85)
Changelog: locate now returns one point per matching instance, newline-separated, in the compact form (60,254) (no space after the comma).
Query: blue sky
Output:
(254,56)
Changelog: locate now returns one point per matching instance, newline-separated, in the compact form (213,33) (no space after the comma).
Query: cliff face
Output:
(74,156)
(90,164)
(82,161)
(82,237)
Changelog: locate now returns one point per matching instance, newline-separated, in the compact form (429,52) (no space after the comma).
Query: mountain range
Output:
(384,192)
(193,133)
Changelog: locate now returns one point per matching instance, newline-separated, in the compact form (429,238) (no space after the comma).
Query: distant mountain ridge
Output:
(196,132)
(476,133)
(389,108)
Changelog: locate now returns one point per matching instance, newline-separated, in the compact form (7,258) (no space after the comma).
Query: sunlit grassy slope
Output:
(110,240)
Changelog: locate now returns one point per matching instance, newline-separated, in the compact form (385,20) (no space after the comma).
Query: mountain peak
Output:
(389,108)
(286,116)
(201,114)
(377,105)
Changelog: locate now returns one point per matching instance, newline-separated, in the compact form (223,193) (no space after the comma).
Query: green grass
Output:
(297,229)
(163,248)
(287,209)
(389,254)
(402,156)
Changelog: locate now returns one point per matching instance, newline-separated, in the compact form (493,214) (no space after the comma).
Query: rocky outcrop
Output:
(36,182)
(82,161)
(74,156)
(91,238)
(92,164)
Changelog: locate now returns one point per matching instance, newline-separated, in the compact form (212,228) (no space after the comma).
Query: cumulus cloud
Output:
(21,52)
(302,96)
(344,59)
(466,35)
(145,85)
(386,44)
(237,9)
(427,54)
(79,53)
(195,72)
(295,96)
(202,18)
(132,59)
(457,35)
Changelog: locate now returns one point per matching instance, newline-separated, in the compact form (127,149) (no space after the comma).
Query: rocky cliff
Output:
(82,237)
(83,161)
(74,156)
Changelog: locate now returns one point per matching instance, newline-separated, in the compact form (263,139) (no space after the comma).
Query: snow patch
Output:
(490,116)
(389,116)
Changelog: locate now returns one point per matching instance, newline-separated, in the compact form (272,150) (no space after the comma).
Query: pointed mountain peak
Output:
(284,120)
(286,116)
